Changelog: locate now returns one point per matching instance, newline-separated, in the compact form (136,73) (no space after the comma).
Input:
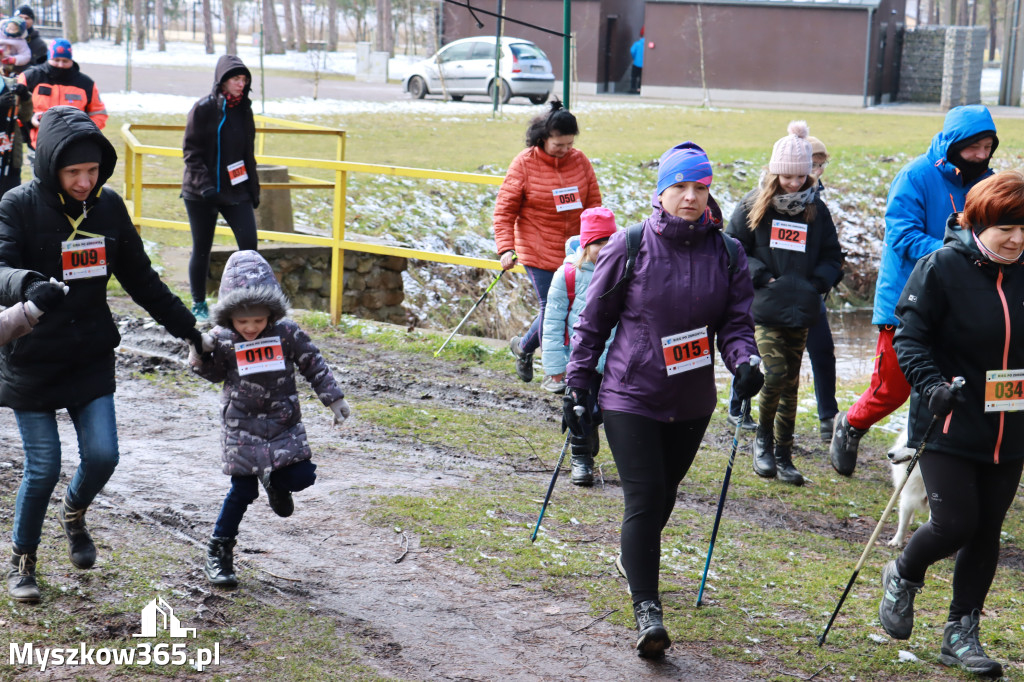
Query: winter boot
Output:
(652,637)
(280,500)
(764,454)
(742,420)
(826,428)
(784,468)
(582,461)
(845,442)
(524,361)
(21,578)
(961,648)
(80,546)
(220,562)
(896,611)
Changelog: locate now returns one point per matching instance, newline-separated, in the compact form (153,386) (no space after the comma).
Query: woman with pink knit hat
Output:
(794,258)
(566,298)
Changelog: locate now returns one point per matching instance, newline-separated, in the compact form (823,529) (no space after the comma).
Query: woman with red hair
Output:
(960,315)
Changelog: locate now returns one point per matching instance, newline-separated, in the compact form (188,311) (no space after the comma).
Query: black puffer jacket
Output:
(217,135)
(69,357)
(961,315)
(801,278)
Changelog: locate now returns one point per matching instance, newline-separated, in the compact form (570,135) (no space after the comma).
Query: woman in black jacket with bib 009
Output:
(960,315)
(794,258)
(220,170)
(67,225)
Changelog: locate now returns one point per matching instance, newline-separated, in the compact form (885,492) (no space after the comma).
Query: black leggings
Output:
(202,218)
(969,500)
(652,458)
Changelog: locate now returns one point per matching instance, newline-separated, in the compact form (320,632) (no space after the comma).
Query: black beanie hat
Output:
(26,11)
(80,151)
(231,73)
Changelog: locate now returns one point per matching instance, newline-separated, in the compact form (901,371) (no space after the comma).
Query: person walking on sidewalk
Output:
(255,352)
(678,291)
(960,315)
(794,258)
(566,299)
(67,224)
(220,171)
(636,72)
(921,197)
(546,188)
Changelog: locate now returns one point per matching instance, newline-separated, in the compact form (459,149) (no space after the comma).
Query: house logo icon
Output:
(159,614)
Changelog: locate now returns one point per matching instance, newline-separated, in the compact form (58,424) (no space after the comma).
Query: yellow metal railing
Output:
(135,150)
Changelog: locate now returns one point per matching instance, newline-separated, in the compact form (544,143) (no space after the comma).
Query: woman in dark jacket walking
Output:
(220,171)
(960,315)
(684,295)
(794,258)
(67,225)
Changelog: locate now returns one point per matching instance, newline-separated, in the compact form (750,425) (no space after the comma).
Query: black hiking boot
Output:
(524,361)
(583,458)
(21,578)
(784,468)
(896,611)
(827,427)
(764,454)
(843,450)
(80,546)
(652,637)
(220,562)
(961,648)
(280,500)
(743,421)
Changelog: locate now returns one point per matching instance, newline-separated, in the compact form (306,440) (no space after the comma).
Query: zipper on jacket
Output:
(1006,358)
(223,117)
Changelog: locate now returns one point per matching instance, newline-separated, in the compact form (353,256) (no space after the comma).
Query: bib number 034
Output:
(1004,390)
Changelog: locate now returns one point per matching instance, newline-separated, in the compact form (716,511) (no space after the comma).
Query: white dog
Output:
(914,497)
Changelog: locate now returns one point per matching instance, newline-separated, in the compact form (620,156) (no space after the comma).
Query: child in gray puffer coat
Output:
(254,349)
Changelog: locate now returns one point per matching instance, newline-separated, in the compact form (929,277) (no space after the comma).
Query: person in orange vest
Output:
(59,81)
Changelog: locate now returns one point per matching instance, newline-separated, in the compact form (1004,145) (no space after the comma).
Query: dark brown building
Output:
(824,52)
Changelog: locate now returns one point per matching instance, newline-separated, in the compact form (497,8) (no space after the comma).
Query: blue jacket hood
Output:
(961,123)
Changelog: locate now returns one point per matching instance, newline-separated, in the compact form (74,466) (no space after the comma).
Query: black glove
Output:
(209,194)
(575,397)
(820,285)
(941,398)
(46,295)
(195,337)
(748,381)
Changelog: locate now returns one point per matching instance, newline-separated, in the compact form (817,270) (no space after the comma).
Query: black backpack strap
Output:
(730,246)
(634,236)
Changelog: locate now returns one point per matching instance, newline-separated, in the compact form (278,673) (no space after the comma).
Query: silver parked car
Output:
(466,67)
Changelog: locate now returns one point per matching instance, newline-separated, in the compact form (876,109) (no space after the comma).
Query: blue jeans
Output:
(97,448)
(245,490)
(822,351)
(541,283)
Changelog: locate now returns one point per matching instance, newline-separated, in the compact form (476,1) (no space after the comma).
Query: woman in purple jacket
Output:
(659,391)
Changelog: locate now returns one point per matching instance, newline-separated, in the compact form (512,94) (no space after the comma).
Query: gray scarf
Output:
(795,203)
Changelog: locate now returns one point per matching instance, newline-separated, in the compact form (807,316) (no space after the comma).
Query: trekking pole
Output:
(958,383)
(478,302)
(744,409)
(558,467)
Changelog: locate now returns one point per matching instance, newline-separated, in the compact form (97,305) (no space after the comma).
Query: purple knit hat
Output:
(684,163)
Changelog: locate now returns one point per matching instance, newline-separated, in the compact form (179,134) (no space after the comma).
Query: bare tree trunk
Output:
(119,30)
(385,41)
(992,17)
(207,27)
(230,27)
(105,20)
(300,27)
(67,8)
(139,21)
(332,25)
(271,33)
(161,39)
(82,11)
(289,25)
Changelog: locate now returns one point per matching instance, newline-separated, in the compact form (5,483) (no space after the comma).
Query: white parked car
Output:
(467,67)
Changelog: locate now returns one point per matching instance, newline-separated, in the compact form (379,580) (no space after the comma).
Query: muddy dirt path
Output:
(425,617)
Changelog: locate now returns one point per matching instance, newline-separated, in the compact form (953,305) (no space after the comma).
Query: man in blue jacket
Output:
(921,197)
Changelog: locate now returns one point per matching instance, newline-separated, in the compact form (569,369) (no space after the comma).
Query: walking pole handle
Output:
(754,361)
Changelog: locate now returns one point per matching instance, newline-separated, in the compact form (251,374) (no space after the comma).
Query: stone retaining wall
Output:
(372,286)
(942,64)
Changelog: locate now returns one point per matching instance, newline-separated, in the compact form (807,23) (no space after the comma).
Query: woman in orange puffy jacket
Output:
(546,188)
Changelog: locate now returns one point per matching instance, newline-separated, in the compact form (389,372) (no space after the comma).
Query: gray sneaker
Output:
(845,442)
(524,361)
(896,611)
(961,648)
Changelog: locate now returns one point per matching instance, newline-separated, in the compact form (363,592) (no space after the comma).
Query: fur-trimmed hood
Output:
(248,281)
